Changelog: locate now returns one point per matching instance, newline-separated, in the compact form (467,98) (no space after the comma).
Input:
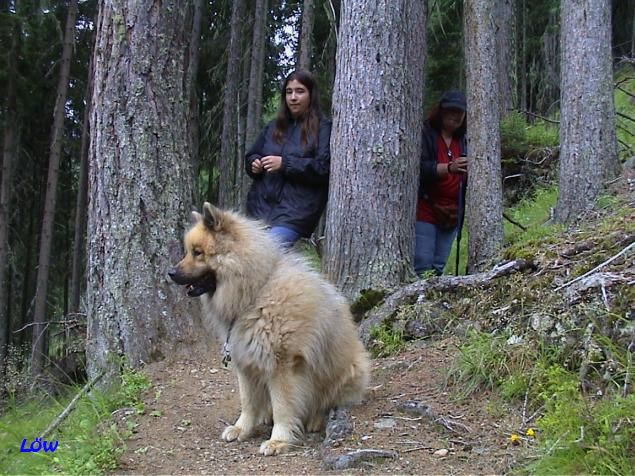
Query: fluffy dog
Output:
(287,331)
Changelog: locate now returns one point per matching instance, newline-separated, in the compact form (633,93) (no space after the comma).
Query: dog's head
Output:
(204,242)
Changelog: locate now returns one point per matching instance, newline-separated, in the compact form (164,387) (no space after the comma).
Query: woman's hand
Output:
(458,166)
(271,163)
(256,166)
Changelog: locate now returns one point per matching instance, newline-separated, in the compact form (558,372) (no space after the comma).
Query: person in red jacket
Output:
(443,169)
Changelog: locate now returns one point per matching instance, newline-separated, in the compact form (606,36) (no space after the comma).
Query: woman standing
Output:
(290,163)
(440,205)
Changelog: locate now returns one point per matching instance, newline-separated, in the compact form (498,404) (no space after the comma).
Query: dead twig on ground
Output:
(60,418)
(600,266)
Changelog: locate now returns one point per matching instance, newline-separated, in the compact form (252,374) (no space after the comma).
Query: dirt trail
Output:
(193,397)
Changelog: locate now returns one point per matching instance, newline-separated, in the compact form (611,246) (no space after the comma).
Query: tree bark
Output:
(79,243)
(8,159)
(254,98)
(588,146)
(227,187)
(39,316)
(193,55)
(375,145)
(306,35)
(140,180)
(505,54)
(242,180)
(523,62)
(484,194)
(254,89)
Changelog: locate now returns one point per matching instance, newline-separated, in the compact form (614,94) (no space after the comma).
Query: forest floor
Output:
(193,397)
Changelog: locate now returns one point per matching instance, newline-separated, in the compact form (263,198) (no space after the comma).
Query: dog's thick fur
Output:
(293,341)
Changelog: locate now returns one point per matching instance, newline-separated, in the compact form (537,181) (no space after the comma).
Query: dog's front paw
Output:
(273,447)
(232,433)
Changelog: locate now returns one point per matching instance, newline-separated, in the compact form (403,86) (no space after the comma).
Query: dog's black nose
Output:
(172,273)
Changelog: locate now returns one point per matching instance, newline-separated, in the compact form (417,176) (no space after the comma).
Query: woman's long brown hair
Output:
(311,121)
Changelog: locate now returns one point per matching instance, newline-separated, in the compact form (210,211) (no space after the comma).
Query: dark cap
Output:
(453,99)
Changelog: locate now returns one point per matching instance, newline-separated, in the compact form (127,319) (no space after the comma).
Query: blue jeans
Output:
(286,237)
(432,247)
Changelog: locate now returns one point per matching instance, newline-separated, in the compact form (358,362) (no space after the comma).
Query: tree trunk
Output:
(588,147)
(523,62)
(39,316)
(79,243)
(306,35)
(227,187)
(484,194)
(242,180)
(8,159)
(375,145)
(192,92)
(254,98)
(549,94)
(633,36)
(140,180)
(505,54)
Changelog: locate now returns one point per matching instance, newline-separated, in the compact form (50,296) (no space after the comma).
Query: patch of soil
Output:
(193,398)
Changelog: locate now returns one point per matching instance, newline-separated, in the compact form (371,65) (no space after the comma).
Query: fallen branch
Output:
(540,117)
(60,418)
(353,458)
(625,116)
(410,293)
(514,222)
(610,260)
(414,407)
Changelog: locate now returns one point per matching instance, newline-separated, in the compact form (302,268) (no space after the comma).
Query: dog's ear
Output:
(213,218)
(196,217)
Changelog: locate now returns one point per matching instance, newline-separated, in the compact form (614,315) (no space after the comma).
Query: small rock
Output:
(441,453)
(385,423)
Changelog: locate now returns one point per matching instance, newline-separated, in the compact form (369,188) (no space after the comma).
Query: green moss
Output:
(368,299)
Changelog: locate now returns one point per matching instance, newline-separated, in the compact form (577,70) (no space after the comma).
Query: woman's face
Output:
(297,97)
(452,119)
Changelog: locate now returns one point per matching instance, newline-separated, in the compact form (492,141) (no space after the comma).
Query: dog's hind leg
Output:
(288,399)
(316,422)
(253,401)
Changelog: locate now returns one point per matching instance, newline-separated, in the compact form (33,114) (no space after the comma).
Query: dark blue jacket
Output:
(295,195)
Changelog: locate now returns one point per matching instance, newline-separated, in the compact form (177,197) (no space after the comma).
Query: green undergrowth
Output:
(540,341)
(89,441)
(534,214)
(577,431)
(386,341)
(625,108)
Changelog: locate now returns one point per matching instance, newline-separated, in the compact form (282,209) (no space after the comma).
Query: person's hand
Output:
(256,166)
(271,163)
(458,166)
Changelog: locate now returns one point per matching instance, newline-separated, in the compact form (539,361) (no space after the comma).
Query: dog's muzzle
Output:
(196,287)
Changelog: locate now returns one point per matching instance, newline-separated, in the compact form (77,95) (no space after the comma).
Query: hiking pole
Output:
(458,233)
(459,221)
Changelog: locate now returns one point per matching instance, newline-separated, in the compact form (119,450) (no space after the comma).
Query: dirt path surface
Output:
(193,397)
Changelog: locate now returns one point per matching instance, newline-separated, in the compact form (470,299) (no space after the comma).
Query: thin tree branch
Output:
(70,321)
(60,418)
(625,91)
(514,222)
(621,114)
(623,80)
(539,116)
(625,250)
